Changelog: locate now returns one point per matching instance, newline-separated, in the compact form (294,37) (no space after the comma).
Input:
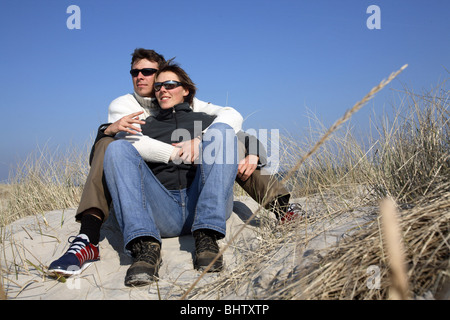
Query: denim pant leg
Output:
(215,178)
(143,207)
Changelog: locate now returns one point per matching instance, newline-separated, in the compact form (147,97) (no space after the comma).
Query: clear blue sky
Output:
(271,60)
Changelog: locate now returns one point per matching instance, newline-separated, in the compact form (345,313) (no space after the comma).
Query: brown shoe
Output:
(147,260)
(206,249)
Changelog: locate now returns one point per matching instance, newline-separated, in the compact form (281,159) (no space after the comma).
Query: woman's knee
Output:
(220,126)
(219,144)
(220,132)
(118,149)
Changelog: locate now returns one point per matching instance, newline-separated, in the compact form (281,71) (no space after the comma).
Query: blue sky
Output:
(271,60)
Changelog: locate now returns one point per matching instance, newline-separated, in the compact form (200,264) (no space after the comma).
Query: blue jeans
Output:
(144,207)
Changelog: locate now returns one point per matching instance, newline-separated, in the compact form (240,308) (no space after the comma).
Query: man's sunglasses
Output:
(168,85)
(145,72)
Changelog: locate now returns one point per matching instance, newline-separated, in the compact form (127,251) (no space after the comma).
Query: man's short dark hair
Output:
(150,55)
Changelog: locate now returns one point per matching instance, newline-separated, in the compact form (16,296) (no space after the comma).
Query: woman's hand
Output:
(247,166)
(186,151)
(125,124)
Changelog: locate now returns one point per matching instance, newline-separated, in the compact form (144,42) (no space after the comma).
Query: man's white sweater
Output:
(153,150)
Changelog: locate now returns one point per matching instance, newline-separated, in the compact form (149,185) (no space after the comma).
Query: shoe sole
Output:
(140,280)
(69,273)
(212,269)
(216,267)
(143,278)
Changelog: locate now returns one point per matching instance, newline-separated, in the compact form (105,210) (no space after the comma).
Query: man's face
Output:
(143,85)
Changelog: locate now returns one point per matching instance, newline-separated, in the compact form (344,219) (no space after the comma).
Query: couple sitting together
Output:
(167,162)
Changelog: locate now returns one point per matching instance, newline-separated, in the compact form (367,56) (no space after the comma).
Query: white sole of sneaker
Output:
(71,271)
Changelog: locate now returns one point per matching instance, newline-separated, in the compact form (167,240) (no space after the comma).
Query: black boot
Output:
(147,259)
(206,249)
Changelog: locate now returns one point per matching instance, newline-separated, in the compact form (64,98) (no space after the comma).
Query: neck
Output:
(145,101)
(184,106)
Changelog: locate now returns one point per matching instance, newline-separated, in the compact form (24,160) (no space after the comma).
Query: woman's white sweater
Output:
(152,150)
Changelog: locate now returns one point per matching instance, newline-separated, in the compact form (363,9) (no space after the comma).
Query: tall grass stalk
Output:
(347,174)
(348,114)
(407,159)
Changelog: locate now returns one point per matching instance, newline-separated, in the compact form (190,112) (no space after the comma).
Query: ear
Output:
(185,92)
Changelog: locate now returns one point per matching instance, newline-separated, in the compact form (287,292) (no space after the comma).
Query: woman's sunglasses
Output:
(168,85)
(145,72)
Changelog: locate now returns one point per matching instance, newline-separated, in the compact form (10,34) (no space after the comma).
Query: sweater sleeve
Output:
(226,115)
(151,150)
(117,109)
(121,107)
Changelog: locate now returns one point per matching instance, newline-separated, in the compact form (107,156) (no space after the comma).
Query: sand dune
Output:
(32,243)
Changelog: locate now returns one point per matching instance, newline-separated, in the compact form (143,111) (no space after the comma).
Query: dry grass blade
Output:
(342,273)
(333,128)
(396,251)
(2,291)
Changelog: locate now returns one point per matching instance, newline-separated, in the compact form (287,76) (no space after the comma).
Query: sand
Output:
(29,245)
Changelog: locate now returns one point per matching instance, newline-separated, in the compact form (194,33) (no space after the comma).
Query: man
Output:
(125,116)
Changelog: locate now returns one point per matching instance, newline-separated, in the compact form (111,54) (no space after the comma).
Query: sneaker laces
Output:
(82,248)
(147,251)
(296,208)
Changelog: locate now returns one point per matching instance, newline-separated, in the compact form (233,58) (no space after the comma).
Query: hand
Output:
(247,166)
(188,150)
(125,124)
(175,157)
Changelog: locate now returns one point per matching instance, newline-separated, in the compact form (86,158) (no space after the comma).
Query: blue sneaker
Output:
(77,258)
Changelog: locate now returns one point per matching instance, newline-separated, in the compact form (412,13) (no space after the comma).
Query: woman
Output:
(178,197)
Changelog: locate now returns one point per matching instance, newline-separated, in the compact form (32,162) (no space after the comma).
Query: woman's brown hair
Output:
(186,81)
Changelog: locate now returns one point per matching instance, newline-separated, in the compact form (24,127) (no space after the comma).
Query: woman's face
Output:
(168,98)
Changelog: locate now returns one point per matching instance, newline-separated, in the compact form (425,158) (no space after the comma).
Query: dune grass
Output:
(405,157)
(46,180)
(407,160)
